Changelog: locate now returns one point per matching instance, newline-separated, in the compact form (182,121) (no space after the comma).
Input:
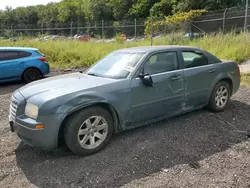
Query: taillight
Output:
(238,68)
(42,59)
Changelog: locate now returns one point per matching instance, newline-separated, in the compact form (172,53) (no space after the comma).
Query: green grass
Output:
(69,54)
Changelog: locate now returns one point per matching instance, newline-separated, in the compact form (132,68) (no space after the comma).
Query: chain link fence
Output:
(224,20)
(100,29)
(211,22)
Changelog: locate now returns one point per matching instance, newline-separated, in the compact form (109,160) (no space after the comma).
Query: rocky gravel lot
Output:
(199,149)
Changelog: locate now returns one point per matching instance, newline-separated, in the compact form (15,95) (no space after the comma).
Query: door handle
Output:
(175,78)
(211,70)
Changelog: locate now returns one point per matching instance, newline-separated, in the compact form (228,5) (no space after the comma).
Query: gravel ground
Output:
(199,149)
(245,67)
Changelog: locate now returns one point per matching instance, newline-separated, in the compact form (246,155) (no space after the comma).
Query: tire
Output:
(32,74)
(218,100)
(81,131)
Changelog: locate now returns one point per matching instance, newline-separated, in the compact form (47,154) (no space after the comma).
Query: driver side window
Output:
(161,62)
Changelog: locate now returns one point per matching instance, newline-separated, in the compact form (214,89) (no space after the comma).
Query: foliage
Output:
(118,38)
(162,8)
(67,54)
(173,20)
(82,11)
(119,8)
(141,8)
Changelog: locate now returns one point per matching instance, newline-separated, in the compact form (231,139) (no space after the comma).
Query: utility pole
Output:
(246,14)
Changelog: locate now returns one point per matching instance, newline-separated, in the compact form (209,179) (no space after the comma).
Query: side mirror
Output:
(146,80)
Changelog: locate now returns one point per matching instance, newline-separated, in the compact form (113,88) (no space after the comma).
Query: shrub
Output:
(71,53)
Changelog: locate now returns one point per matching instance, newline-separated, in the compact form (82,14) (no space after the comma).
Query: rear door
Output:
(167,94)
(11,63)
(199,76)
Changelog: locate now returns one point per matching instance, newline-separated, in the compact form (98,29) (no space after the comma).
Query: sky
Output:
(18,3)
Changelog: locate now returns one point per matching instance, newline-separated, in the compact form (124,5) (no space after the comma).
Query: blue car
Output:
(26,64)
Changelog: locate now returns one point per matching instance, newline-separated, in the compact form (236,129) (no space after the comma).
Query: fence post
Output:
(71,28)
(165,29)
(42,28)
(189,27)
(151,37)
(135,28)
(224,20)
(172,41)
(246,14)
(12,32)
(102,29)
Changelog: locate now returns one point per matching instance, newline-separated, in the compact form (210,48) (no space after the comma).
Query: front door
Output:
(167,94)
(10,67)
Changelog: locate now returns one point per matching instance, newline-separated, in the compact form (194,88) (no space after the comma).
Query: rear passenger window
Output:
(23,54)
(10,55)
(1,56)
(193,59)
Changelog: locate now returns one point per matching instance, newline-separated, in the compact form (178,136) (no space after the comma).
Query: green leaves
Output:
(164,7)
(83,11)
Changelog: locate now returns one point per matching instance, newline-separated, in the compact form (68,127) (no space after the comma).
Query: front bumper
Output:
(25,127)
(46,139)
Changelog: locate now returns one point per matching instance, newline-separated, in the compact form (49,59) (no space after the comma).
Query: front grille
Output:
(13,109)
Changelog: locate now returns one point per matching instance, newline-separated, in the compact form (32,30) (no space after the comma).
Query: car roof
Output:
(147,49)
(18,48)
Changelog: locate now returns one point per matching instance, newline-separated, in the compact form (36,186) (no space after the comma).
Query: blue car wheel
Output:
(31,75)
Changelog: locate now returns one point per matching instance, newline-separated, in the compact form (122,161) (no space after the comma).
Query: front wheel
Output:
(220,97)
(88,131)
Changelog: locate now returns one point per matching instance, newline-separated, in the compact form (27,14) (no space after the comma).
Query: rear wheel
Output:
(88,131)
(220,97)
(31,75)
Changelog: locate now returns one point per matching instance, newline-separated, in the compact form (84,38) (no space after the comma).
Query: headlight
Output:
(31,110)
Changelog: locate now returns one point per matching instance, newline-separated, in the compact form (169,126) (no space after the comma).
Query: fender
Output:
(80,101)
(217,79)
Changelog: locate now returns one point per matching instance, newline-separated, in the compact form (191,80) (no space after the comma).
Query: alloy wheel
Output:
(222,96)
(92,132)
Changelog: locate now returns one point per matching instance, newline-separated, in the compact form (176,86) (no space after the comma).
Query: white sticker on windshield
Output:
(128,68)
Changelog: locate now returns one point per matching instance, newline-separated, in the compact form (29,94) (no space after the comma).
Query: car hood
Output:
(63,84)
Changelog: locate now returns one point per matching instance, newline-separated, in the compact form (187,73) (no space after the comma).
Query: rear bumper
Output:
(236,84)
(45,69)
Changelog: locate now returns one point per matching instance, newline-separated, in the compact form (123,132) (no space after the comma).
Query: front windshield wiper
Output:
(93,74)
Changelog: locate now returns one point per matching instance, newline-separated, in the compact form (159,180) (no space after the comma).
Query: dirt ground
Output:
(245,67)
(199,149)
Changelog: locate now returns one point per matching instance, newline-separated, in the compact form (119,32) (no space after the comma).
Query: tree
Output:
(67,10)
(221,4)
(162,8)
(141,8)
(84,11)
(47,14)
(120,8)
(96,10)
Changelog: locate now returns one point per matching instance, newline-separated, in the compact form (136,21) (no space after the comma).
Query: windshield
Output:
(117,65)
